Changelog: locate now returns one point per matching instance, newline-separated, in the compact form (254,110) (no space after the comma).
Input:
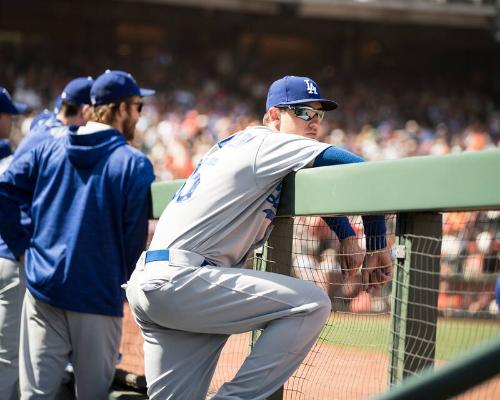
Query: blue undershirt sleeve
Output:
(374,225)
(335,156)
(341,226)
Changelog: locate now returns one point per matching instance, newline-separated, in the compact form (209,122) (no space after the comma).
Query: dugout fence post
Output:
(277,258)
(415,288)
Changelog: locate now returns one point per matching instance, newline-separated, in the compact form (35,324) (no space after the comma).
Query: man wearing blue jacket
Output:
(72,110)
(11,280)
(89,196)
(75,100)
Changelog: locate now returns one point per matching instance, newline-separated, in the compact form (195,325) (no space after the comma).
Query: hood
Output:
(84,151)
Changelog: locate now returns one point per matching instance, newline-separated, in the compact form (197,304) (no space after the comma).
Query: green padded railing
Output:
(453,182)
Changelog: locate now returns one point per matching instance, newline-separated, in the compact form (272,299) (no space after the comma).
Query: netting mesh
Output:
(350,357)
(443,304)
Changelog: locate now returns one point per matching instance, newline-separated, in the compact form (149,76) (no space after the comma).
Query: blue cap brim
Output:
(21,108)
(327,105)
(147,92)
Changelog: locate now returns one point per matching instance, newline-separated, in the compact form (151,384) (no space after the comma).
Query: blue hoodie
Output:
(4,148)
(89,198)
(47,126)
(44,126)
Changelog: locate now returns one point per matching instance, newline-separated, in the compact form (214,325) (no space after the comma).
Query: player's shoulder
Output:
(47,146)
(40,118)
(249,134)
(131,152)
(33,150)
(133,156)
(258,130)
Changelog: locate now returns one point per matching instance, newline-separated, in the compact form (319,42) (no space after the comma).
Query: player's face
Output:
(135,107)
(5,125)
(291,123)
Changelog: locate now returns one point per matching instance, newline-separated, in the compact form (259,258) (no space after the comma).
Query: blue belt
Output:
(164,255)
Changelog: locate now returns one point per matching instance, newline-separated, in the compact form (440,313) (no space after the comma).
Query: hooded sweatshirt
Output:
(5,155)
(45,128)
(89,198)
(4,149)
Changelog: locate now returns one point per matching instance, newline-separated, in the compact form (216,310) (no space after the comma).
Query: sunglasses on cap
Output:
(304,112)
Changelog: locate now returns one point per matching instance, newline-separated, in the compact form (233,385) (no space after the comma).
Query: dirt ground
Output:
(328,372)
(333,373)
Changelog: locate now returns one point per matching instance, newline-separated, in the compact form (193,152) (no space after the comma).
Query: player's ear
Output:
(275,117)
(123,108)
(274,114)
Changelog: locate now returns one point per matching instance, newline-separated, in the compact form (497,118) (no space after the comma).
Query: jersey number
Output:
(187,190)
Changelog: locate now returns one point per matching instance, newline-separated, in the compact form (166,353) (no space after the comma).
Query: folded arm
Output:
(378,266)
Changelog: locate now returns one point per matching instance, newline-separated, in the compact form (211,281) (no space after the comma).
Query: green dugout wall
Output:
(454,182)
(417,190)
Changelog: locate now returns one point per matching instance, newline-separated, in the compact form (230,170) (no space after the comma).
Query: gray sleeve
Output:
(281,153)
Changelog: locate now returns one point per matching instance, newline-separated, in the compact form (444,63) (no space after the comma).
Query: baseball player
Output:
(11,277)
(45,114)
(88,193)
(72,110)
(189,292)
(46,125)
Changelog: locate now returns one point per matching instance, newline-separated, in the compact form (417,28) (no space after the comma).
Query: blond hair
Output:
(106,113)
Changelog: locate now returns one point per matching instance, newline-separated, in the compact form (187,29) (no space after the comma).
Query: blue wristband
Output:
(375,232)
(341,226)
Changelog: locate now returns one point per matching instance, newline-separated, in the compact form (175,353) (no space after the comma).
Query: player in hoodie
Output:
(11,280)
(45,126)
(89,197)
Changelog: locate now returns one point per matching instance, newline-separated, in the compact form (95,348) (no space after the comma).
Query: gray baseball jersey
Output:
(225,208)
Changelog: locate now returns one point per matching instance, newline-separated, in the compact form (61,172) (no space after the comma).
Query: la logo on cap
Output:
(311,89)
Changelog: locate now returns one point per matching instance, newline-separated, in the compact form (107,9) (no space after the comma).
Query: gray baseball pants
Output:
(187,313)
(12,288)
(50,335)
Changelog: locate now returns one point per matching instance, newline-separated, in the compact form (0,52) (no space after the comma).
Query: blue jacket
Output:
(4,148)
(44,126)
(89,198)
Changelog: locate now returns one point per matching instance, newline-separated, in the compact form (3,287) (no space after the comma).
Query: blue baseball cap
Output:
(296,90)
(77,91)
(115,85)
(7,106)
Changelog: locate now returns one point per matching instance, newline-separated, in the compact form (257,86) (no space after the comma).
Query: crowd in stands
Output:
(384,116)
(177,128)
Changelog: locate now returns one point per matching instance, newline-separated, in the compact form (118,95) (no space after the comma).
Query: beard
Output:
(128,128)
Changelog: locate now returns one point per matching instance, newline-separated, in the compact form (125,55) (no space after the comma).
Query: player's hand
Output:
(377,269)
(350,256)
